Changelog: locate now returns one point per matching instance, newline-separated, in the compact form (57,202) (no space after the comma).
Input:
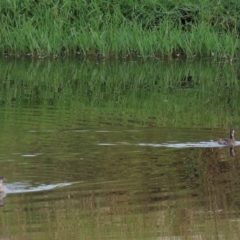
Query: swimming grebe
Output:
(2,187)
(228,141)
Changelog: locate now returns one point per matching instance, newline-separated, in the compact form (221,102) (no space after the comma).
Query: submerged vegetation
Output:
(109,29)
(128,93)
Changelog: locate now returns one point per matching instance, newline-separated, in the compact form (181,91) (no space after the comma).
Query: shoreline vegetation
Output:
(109,29)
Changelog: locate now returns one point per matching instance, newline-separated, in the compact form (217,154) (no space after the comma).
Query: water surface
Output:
(96,165)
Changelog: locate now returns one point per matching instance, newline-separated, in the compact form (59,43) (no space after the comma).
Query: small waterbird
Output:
(2,187)
(228,141)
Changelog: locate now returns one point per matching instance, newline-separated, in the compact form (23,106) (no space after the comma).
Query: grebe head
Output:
(231,133)
(2,180)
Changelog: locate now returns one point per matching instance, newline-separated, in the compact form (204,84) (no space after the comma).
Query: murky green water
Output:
(118,150)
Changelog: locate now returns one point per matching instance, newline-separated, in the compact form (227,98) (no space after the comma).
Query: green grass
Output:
(119,30)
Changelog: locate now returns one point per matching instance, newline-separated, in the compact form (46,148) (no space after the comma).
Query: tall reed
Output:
(129,28)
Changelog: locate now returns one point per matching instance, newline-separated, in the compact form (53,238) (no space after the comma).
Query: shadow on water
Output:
(118,150)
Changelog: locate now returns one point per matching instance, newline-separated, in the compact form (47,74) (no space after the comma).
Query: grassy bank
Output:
(110,29)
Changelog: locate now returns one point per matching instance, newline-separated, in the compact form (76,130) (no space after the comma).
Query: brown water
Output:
(71,176)
(118,150)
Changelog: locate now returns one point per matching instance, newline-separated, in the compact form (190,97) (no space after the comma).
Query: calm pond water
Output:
(118,161)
